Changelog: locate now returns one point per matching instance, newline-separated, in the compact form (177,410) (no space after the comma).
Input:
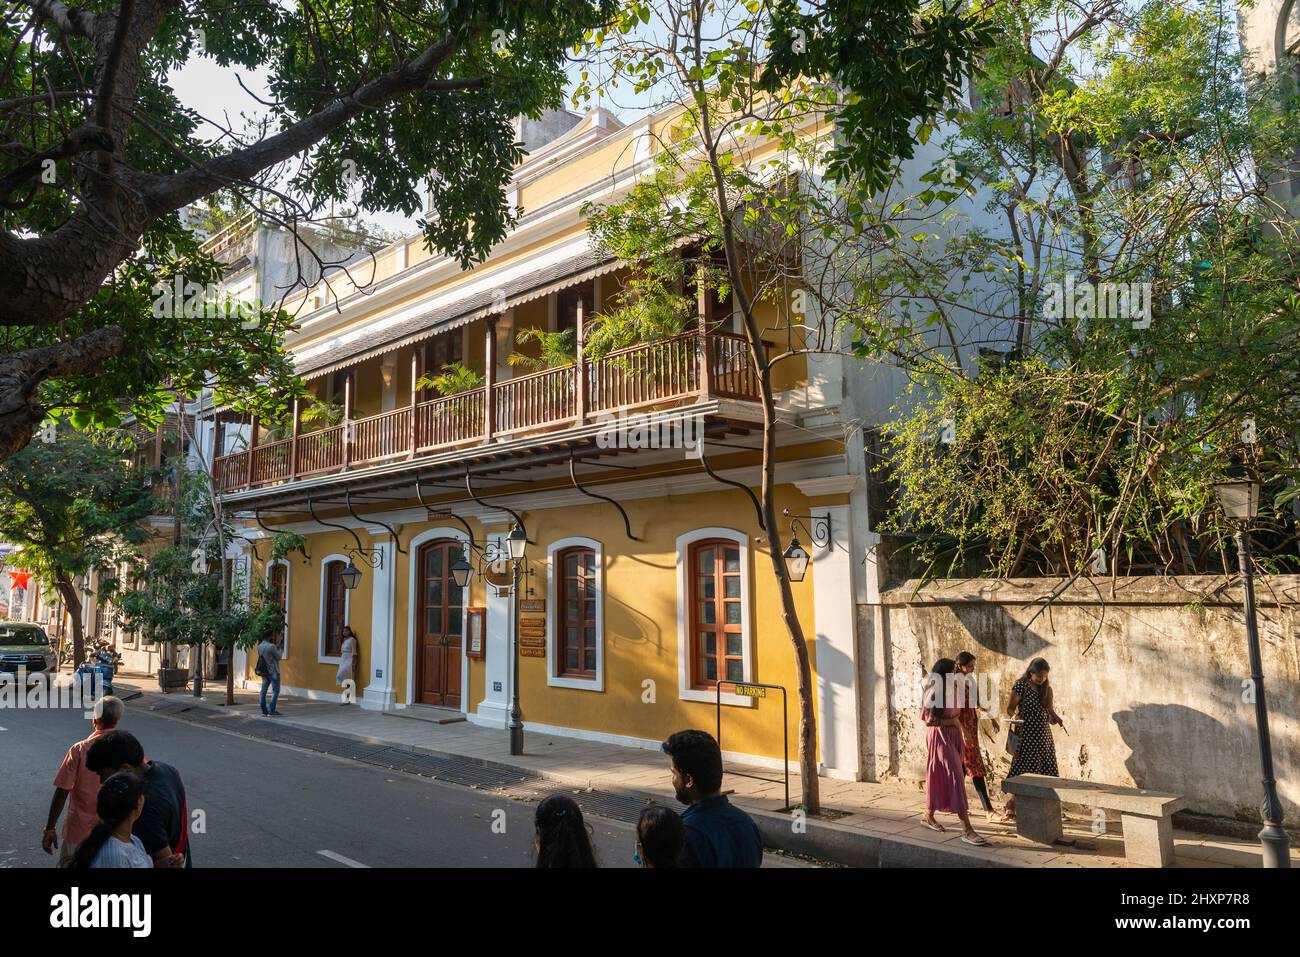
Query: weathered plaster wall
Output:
(1149,679)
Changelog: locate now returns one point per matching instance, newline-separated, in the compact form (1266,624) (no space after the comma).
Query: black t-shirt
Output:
(164,822)
(719,834)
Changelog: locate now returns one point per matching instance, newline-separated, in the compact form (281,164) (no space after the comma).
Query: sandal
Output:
(934,826)
(978,840)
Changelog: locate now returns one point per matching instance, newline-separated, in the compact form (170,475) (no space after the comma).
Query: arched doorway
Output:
(440,626)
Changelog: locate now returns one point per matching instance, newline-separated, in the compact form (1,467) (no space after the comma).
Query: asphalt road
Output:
(270,805)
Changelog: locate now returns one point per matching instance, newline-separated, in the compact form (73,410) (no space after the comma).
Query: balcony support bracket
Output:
(372,557)
(573,475)
(397,542)
(469,487)
(758,508)
(257,517)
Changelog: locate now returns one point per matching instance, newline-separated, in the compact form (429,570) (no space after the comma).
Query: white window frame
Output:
(321,657)
(684,591)
(553,573)
(288,599)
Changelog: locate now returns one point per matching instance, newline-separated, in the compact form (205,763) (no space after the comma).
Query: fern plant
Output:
(555,350)
(454,379)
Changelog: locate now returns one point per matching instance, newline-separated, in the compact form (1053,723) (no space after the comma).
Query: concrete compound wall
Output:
(1149,675)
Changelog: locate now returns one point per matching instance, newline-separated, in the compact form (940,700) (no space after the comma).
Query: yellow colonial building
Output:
(645,579)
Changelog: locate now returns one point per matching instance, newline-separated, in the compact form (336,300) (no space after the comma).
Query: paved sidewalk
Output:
(871,823)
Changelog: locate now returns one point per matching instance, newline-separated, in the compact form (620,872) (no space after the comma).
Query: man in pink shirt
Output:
(78,788)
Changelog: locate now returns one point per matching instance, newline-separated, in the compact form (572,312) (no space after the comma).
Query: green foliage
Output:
(285,542)
(321,413)
(449,140)
(73,504)
(554,350)
(899,62)
(455,378)
(188,594)
(1117,151)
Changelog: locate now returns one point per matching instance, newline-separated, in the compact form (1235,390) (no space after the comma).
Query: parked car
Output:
(25,647)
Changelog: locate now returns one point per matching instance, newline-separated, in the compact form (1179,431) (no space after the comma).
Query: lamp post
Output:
(513,551)
(1240,501)
(518,542)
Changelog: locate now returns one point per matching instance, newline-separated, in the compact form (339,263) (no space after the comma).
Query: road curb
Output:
(825,840)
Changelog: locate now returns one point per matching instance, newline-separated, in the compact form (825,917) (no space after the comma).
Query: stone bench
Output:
(1145,816)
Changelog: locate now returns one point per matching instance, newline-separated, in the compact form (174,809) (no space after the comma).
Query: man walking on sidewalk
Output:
(718,834)
(78,788)
(268,668)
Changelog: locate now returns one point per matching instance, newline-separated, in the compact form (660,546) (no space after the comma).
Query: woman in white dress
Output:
(348,666)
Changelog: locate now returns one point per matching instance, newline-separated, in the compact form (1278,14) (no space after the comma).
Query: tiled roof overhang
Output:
(458,312)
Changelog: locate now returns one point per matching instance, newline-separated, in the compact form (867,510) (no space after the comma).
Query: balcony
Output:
(688,368)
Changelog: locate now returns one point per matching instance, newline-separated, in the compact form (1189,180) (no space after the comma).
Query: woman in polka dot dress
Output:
(1031,702)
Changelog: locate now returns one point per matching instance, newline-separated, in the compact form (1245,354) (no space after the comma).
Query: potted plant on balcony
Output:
(555,350)
(637,317)
(456,379)
(317,416)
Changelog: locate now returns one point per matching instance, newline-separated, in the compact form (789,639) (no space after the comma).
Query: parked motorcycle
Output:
(102,665)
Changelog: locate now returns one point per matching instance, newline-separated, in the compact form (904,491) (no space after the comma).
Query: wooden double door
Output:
(440,626)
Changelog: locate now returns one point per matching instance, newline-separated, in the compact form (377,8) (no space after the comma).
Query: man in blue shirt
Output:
(718,834)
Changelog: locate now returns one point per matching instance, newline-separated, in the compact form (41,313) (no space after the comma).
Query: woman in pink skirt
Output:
(945,774)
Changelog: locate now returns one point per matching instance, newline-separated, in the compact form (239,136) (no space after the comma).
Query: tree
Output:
(71,506)
(858,66)
(100,155)
(185,594)
(1116,290)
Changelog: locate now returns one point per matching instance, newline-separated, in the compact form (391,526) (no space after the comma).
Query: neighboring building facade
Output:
(261,263)
(646,577)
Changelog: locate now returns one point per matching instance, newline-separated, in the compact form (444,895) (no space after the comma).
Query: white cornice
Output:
(830,485)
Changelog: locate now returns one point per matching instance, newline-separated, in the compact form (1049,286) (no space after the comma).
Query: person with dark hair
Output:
(77,787)
(268,669)
(562,838)
(163,825)
(969,714)
(945,778)
(660,838)
(1032,704)
(718,834)
(111,843)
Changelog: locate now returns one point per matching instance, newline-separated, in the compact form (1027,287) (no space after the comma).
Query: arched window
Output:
(717,614)
(277,585)
(334,609)
(575,647)
(575,626)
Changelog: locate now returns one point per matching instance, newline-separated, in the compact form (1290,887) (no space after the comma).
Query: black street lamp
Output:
(518,542)
(351,576)
(1240,501)
(796,560)
(460,571)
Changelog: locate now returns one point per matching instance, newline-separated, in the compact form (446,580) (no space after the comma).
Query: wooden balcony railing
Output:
(688,366)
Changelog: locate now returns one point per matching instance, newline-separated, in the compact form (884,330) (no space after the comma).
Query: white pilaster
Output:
(379,694)
(835,614)
(493,710)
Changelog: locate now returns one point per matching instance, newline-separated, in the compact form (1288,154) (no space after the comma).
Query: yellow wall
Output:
(640,622)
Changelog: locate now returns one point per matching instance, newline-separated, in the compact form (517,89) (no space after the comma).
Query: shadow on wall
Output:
(1178,749)
(985,620)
